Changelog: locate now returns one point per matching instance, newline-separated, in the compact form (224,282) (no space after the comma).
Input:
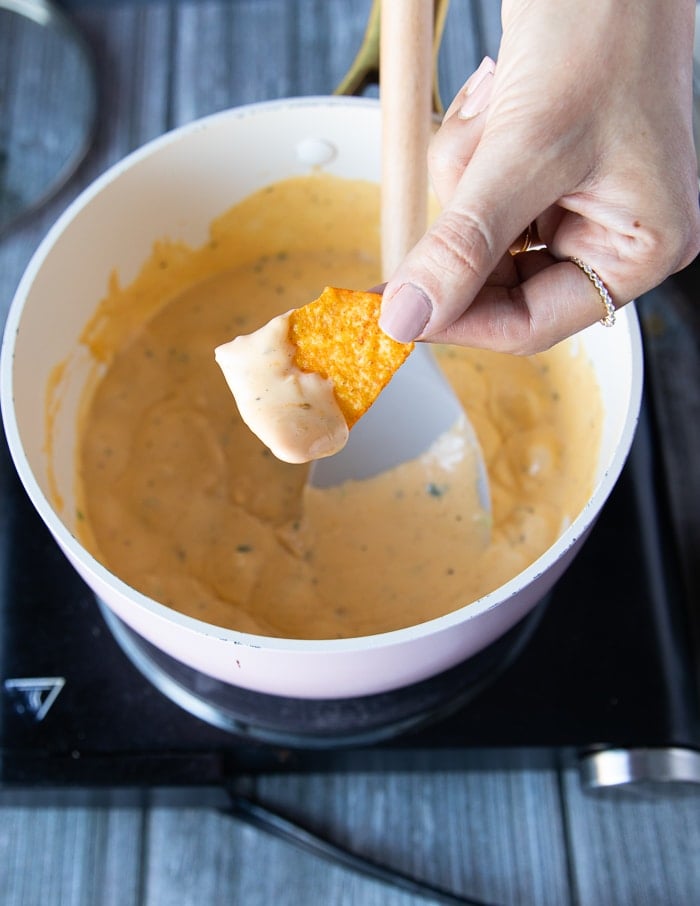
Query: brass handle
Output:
(364,69)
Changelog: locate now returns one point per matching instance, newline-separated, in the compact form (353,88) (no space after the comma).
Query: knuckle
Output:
(445,154)
(656,244)
(461,247)
(449,153)
(442,165)
(674,239)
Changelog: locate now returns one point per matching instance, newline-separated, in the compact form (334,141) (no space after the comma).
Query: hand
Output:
(584,126)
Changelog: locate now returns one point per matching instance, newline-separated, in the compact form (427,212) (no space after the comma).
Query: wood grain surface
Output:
(504,836)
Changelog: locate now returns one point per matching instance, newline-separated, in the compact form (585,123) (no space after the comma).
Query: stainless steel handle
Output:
(627,767)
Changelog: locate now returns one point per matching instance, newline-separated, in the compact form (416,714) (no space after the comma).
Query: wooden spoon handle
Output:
(405,85)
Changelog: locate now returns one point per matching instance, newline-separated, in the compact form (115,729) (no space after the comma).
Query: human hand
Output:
(584,126)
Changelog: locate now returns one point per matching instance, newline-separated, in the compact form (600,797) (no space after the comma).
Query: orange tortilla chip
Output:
(338,336)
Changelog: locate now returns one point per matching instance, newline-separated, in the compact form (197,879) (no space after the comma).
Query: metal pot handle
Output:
(364,70)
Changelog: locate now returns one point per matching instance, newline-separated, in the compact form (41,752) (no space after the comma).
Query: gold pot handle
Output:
(364,69)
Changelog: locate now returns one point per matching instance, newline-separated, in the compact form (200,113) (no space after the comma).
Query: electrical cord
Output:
(276,825)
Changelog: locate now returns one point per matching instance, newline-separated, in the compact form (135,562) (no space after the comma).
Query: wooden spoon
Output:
(418,406)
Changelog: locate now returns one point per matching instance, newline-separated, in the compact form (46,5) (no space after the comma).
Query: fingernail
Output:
(486,67)
(479,90)
(406,314)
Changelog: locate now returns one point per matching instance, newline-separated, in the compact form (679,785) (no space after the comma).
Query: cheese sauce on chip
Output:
(293,412)
(178,498)
(302,380)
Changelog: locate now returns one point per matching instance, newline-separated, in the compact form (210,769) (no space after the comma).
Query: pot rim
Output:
(626,319)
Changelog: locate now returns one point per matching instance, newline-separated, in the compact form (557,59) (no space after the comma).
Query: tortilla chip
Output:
(338,336)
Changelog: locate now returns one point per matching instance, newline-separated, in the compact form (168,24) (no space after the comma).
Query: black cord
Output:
(271,822)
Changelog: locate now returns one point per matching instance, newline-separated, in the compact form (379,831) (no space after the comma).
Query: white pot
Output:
(174,187)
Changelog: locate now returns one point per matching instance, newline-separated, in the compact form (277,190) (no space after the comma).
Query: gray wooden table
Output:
(518,836)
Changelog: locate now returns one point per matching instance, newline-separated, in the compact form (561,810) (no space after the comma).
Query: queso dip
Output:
(179,499)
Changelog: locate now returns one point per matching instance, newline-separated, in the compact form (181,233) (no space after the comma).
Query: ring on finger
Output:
(608,320)
(528,241)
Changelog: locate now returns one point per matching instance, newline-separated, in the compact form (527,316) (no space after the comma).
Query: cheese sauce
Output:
(183,502)
(293,412)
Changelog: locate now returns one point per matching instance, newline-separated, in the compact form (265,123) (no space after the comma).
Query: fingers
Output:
(454,143)
(553,300)
(450,151)
(604,164)
(493,189)
(487,67)
(443,273)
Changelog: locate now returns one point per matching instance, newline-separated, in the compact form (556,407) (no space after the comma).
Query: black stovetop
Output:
(606,661)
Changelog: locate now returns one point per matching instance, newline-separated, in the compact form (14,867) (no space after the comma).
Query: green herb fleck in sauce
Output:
(437,490)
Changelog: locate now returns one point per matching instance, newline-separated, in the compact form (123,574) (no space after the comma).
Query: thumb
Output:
(498,195)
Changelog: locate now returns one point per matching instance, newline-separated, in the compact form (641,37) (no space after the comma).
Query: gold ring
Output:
(528,241)
(605,297)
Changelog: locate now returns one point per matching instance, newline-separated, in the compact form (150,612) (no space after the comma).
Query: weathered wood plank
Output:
(487,16)
(461,49)
(634,848)
(131,44)
(496,835)
(77,856)
(255,50)
(196,857)
(219,860)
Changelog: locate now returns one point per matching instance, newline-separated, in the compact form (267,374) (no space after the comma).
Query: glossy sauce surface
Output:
(180,499)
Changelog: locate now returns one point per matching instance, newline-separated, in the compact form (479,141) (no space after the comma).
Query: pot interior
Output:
(110,230)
